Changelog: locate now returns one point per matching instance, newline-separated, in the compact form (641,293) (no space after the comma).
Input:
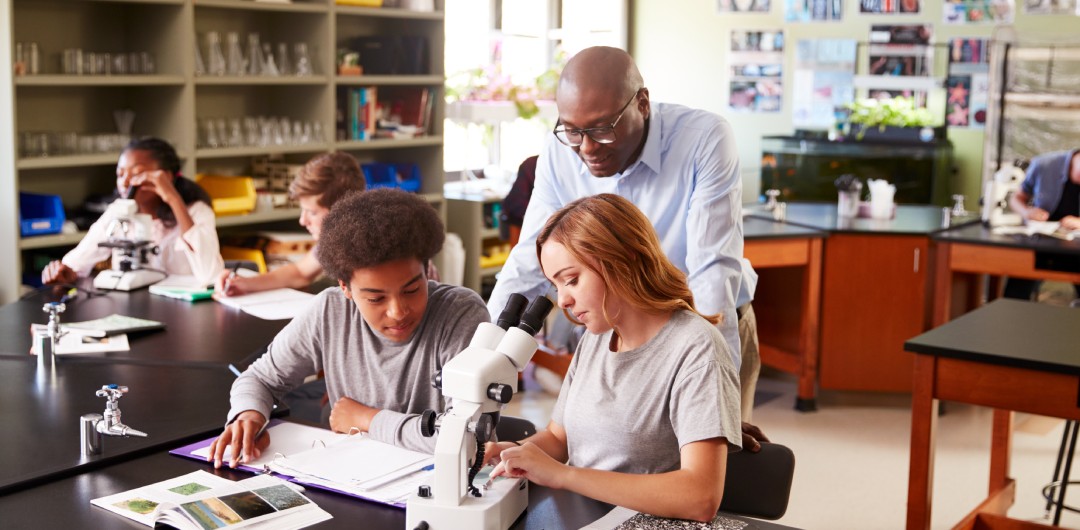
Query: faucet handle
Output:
(112,392)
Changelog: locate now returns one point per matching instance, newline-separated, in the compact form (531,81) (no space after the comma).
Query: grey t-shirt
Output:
(361,364)
(633,411)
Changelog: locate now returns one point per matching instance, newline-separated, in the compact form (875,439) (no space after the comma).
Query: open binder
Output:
(353,465)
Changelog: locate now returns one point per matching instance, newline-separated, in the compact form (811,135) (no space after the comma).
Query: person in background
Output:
(183,225)
(1050,192)
(323,180)
(379,335)
(678,165)
(650,406)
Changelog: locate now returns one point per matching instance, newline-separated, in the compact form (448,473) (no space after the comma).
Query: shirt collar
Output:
(651,151)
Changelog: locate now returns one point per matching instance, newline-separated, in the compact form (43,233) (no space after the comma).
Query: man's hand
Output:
(348,413)
(240,435)
(1036,214)
(752,437)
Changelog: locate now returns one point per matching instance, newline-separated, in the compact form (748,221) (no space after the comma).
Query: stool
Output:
(1060,480)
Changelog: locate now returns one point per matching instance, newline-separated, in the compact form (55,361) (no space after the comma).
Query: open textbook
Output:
(354,465)
(276,304)
(203,501)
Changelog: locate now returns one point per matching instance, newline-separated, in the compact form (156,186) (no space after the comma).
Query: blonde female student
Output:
(650,406)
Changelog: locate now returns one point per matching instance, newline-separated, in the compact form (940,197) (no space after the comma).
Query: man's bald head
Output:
(600,71)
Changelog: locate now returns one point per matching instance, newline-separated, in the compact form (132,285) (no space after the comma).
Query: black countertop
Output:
(40,411)
(757,229)
(910,219)
(203,332)
(1011,333)
(979,234)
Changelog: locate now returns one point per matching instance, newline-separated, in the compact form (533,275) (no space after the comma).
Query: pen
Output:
(232,274)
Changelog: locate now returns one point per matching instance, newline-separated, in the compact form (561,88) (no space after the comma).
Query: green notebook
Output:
(191,294)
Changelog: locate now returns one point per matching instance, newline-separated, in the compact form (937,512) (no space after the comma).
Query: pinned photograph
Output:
(742,6)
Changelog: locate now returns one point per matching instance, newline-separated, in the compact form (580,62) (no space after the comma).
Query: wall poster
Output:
(756,60)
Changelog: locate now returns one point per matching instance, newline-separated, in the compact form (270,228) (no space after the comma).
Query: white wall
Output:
(680,47)
(9,205)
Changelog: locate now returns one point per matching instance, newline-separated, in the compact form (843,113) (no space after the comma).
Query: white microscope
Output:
(478,381)
(128,236)
(995,207)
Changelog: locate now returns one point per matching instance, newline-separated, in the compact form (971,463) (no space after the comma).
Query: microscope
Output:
(128,236)
(995,207)
(478,381)
(94,427)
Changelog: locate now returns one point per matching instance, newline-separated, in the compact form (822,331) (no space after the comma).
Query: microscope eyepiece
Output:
(511,314)
(534,316)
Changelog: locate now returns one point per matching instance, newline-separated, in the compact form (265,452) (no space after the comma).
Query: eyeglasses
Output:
(601,135)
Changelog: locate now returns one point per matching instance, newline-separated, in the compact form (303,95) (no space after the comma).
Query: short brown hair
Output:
(330,175)
(379,226)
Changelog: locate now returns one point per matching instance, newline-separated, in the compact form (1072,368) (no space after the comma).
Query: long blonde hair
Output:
(610,236)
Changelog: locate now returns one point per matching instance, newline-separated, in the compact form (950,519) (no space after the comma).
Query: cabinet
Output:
(173,102)
(1033,106)
(475,220)
(872,301)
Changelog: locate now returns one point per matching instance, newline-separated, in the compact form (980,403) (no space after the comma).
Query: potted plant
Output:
(895,119)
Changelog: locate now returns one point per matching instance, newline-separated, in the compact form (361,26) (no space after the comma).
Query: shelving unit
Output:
(466,219)
(173,102)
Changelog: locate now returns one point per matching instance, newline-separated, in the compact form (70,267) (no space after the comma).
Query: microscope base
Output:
(126,281)
(500,506)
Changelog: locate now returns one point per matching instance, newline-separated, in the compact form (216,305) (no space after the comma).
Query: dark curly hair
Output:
(378,226)
(164,154)
(331,175)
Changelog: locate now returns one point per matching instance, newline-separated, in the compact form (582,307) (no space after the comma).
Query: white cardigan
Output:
(195,252)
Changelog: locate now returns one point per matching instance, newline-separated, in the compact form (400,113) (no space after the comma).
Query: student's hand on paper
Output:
(348,414)
(752,437)
(1070,222)
(240,435)
(227,286)
(1037,214)
(56,272)
(532,463)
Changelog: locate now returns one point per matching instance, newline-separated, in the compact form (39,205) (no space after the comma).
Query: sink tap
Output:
(48,341)
(94,427)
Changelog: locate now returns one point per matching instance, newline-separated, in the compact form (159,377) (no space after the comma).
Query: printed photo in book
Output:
(203,501)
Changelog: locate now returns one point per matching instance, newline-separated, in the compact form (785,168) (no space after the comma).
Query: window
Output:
(517,40)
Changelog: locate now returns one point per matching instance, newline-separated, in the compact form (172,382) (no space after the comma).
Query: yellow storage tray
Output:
(230,195)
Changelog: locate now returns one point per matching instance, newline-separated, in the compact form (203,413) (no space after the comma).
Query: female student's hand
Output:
(1036,214)
(1070,222)
(493,450)
(240,434)
(230,286)
(348,413)
(56,272)
(532,463)
(159,182)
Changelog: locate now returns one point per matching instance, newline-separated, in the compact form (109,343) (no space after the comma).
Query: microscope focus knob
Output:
(427,423)
(436,380)
(424,492)
(500,392)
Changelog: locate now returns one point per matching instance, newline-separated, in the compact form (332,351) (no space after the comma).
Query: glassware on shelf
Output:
(210,137)
(33,59)
(303,62)
(283,65)
(234,62)
(72,62)
(255,60)
(270,67)
(215,59)
(125,121)
(236,136)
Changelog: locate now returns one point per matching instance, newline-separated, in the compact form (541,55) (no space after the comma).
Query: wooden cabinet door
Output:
(874,298)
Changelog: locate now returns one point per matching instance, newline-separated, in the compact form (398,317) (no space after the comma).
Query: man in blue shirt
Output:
(678,165)
(1050,192)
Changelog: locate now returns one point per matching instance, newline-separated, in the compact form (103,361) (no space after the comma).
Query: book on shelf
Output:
(201,500)
(361,109)
(353,465)
(275,304)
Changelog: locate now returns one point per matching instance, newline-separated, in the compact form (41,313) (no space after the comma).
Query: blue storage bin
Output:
(383,175)
(40,214)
